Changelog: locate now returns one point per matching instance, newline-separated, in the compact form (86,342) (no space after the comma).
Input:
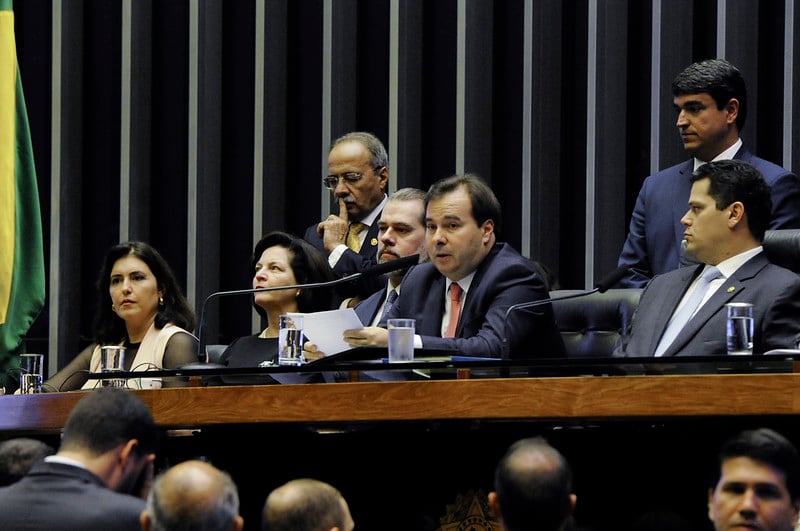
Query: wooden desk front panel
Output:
(575,398)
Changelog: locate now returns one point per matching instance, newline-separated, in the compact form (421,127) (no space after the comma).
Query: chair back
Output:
(591,326)
(214,353)
(782,247)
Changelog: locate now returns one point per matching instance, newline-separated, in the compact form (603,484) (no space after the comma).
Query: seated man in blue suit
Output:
(729,207)
(460,297)
(358,178)
(401,233)
(710,99)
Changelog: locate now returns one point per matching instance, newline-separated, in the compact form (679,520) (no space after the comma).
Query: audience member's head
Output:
(112,432)
(18,455)
(306,505)
(192,496)
(533,487)
(756,484)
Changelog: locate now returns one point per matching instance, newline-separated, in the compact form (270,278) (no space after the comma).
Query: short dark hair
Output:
(737,180)
(106,418)
(308,264)
(108,326)
(768,447)
(485,205)
(18,455)
(533,497)
(718,78)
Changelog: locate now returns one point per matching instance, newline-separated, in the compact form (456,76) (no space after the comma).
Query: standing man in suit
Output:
(729,208)
(401,233)
(757,484)
(710,99)
(193,495)
(98,478)
(460,297)
(533,487)
(358,178)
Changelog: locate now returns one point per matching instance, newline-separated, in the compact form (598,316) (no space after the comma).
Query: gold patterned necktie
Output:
(353,242)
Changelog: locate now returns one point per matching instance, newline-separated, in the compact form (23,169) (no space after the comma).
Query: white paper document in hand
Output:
(326,329)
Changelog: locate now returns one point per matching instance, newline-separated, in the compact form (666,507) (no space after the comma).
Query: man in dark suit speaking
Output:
(729,208)
(710,100)
(358,178)
(460,297)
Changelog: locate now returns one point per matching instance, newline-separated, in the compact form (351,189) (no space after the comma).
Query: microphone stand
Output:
(379,269)
(217,294)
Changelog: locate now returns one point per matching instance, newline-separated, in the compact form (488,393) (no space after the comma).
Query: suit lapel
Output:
(469,311)
(668,304)
(369,249)
(729,289)
(680,205)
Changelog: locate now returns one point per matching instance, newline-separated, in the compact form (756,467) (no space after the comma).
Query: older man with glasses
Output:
(358,178)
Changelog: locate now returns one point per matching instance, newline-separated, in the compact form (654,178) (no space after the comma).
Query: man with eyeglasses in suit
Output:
(358,178)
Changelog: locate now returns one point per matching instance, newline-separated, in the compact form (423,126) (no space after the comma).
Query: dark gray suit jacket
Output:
(774,292)
(56,496)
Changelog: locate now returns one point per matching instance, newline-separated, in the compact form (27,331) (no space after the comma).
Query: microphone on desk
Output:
(374,271)
(603,285)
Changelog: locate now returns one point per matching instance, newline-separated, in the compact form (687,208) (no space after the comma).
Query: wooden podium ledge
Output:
(594,397)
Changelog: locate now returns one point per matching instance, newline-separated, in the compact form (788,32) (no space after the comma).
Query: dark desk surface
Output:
(590,397)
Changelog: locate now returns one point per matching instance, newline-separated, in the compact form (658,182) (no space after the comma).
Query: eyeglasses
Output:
(332,181)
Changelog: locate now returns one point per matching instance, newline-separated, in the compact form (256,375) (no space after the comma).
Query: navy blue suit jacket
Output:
(774,292)
(353,262)
(57,496)
(653,245)
(368,308)
(502,279)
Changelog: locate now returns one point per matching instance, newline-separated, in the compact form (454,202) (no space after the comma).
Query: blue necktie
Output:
(386,307)
(680,319)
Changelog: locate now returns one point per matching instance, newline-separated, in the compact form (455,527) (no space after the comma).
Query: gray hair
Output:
(377,152)
(183,513)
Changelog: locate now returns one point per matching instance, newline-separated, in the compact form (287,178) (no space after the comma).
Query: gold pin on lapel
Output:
(374,241)
(731,289)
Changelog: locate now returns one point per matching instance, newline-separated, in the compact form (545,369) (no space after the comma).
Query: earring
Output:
(297,294)
(161,301)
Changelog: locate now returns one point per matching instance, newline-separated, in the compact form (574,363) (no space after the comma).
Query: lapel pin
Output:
(374,241)
(731,289)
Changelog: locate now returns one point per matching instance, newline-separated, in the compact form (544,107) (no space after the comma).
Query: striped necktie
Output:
(386,307)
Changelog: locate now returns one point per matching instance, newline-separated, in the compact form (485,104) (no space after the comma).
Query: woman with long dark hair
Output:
(141,307)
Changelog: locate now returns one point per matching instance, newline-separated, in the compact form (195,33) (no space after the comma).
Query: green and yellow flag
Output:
(22,283)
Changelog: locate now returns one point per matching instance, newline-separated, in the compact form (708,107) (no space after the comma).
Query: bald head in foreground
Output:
(306,505)
(193,495)
(533,487)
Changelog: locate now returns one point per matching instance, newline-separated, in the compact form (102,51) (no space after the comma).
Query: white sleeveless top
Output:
(149,356)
